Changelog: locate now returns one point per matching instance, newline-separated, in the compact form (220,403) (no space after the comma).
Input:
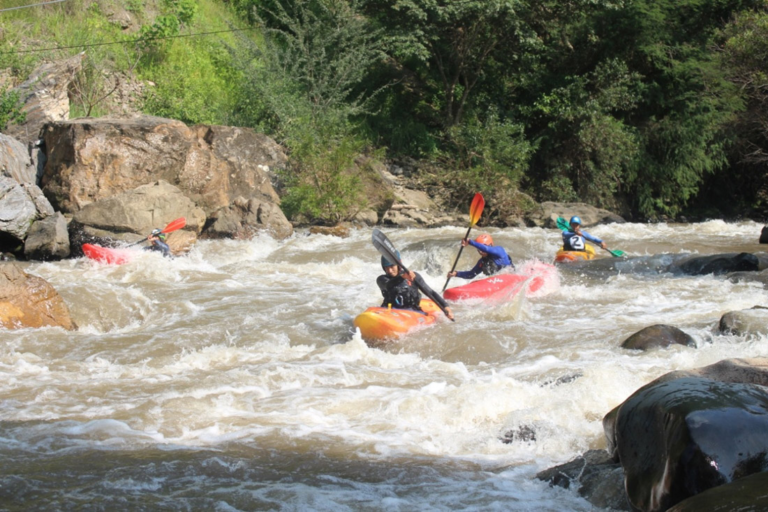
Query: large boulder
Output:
(48,239)
(94,159)
(748,494)
(45,97)
(30,301)
(690,431)
(245,217)
(20,206)
(15,162)
(132,215)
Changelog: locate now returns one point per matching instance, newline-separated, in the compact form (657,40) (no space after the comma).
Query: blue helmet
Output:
(575,220)
(386,263)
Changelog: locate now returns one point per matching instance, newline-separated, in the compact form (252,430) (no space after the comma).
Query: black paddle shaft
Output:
(457,258)
(387,249)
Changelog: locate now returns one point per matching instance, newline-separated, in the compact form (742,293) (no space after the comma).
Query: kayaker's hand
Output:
(604,245)
(452,273)
(449,313)
(464,242)
(410,275)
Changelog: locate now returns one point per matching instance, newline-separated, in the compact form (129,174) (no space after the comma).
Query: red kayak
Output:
(533,278)
(107,255)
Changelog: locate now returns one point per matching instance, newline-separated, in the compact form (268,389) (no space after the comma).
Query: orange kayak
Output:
(383,324)
(566,256)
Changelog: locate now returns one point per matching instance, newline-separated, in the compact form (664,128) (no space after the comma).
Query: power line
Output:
(127,41)
(31,5)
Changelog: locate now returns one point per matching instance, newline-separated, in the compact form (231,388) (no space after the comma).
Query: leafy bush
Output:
(10,109)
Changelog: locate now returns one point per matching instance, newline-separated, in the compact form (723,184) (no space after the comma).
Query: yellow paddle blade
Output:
(476,209)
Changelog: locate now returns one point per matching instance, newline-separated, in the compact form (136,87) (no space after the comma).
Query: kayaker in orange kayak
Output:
(156,241)
(573,239)
(401,289)
(492,258)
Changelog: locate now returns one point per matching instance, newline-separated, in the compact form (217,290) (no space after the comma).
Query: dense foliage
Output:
(648,107)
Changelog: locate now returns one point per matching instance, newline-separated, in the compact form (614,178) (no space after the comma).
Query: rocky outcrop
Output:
(745,494)
(658,336)
(45,97)
(245,218)
(690,431)
(746,321)
(48,239)
(132,215)
(546,214)
(30,301)
(15,162)
(94,159)
(415,208)
(20,206)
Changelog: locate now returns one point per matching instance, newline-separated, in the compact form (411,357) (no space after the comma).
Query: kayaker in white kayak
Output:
(492,258)
(401,289)
(157,243)
(573,240)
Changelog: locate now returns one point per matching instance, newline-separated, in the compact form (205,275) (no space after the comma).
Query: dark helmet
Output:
(575,220)
(386,263)
(157,232)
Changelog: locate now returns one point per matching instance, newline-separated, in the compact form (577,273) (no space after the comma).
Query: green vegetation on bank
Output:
(648,107)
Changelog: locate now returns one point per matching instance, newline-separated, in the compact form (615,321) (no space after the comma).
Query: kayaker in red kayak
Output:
(492,258)
(156,241)
(401,289)
(573,240)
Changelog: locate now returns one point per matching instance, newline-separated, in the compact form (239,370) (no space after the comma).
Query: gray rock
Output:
(746,321)
(48,239)
(15,161)
(17,210)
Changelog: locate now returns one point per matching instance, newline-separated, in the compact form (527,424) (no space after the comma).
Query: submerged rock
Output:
(658,336)
(746,321)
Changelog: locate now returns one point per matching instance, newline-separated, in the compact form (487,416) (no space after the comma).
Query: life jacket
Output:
(489,266)
(401,294)
(573,242)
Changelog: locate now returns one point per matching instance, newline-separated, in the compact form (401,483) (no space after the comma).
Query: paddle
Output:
(172,226)
(387,249)
(563,225)
(475,210)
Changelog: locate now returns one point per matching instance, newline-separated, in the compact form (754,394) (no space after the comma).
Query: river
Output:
(232,378)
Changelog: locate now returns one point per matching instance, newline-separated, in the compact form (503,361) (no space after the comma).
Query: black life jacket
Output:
(401,294)
(488,266)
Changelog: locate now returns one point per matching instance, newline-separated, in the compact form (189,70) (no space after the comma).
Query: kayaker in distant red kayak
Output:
(573,240)
(401,289)
(491,261)
(157,243)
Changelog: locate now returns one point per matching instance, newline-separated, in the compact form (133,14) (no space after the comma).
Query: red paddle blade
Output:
(476,209)
(175,224)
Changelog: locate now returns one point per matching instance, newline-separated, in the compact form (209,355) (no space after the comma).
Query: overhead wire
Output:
(30,5)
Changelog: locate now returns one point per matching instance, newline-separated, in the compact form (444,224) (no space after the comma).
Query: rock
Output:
(45,97)
(366,217)
(690,431)
(339,230)
(17,209)
(93,159)
(48,239)
(748,494)
(15,162)
(523,433)
(764,235)
(599,477)
(30,301)
(747,321)
(132,215)
(747,277)
(245,218)
(545,216)
(658,336)
(717,264)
